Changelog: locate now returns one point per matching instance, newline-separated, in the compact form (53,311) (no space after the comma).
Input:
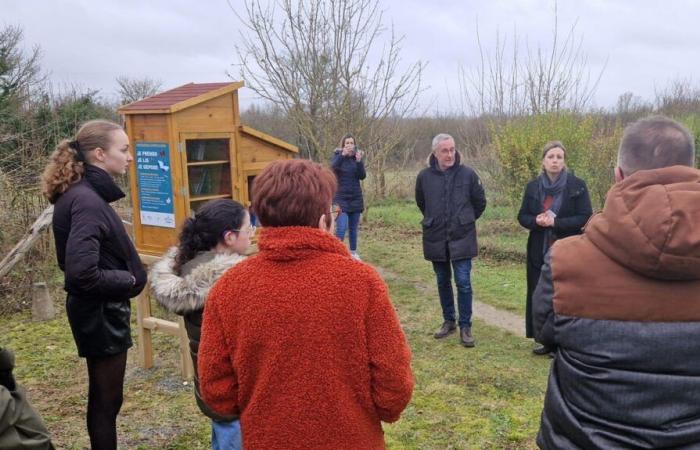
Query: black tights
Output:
(105,395)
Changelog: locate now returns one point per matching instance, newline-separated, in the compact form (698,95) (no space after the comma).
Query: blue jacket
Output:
(349,172)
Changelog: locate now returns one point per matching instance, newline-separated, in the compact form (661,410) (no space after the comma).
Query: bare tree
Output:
(20,71)
(505,83)
(134,89)
(680,96)
(318,61)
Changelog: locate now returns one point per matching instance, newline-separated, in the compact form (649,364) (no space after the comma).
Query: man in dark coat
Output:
(622,304)
(451,198)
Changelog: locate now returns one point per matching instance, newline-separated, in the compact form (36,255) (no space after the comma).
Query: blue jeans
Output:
(341,225)
(226,435)
(462,269)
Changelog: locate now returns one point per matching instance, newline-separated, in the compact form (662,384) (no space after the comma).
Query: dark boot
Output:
(446,329)
(466,338)
(542,350)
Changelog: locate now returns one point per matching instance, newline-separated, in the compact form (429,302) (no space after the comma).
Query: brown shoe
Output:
(465,337)
(446,329)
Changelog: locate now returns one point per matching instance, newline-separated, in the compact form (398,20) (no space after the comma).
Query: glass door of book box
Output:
(208,158)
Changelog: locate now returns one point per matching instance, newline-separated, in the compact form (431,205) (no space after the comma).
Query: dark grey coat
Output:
(451,201)
(621,303)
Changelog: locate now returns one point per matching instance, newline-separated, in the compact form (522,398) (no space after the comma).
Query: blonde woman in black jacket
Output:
(101,266)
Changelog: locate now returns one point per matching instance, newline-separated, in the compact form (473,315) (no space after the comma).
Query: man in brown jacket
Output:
(622,305)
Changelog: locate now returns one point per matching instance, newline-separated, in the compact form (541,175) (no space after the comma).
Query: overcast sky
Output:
(88,43)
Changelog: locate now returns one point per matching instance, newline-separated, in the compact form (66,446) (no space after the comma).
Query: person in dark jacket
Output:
(349,170)
(621,303)
(102,268)
(451,198)
(20,425)
(555,205)
(211,242)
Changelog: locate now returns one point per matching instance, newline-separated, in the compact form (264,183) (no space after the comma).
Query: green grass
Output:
(487,397)
(498,276)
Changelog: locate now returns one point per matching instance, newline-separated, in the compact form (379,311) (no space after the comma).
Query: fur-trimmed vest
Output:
(186,293)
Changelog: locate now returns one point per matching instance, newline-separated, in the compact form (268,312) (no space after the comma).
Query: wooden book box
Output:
(189,147)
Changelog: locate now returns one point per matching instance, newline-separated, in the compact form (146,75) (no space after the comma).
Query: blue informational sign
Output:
(154,179)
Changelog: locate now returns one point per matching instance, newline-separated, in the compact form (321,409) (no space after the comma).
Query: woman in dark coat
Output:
(349,169)
(101,266)
(555,205)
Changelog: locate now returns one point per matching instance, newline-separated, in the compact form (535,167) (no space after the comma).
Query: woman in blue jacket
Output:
(349,170)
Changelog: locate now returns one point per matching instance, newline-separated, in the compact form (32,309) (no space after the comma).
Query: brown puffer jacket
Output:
(186,293)
(622,303)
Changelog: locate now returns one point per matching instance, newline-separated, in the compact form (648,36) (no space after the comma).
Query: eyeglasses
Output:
(336,211)
(251,230)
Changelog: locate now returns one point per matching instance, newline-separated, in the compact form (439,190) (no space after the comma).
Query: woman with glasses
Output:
(301,340)
(211,242)
(349,170)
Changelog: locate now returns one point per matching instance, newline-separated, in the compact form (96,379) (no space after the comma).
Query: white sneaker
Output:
(355,256)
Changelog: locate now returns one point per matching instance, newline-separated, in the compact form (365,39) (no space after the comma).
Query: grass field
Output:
(488,397)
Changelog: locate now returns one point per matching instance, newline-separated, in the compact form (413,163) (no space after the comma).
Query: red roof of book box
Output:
(180,98)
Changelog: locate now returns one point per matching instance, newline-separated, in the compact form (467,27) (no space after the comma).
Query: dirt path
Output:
(506,320)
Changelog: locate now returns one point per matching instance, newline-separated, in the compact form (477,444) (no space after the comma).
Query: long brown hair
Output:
(66,163)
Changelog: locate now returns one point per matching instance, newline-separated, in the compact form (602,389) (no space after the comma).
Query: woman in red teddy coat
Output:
(301,340)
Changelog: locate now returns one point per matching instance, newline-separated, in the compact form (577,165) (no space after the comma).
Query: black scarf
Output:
(103,183)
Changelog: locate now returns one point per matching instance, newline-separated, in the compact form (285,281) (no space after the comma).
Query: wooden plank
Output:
(143,111)
(185,356)
(156,324)
(205,97)
(151,128)
(27,242)
(207,163)
(254,150)
(145,340)
(215,115)
(179,178)
(255,167)
(200,198)
(267,138)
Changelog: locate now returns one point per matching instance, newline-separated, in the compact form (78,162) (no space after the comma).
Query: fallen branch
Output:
(27,242)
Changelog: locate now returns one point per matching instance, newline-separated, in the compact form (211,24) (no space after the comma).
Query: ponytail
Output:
(61,172)
(207,228)
(67,163)
(189,244)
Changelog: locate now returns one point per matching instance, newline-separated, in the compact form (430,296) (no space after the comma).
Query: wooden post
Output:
(185,356)
(42,304)
(143,310)
(147,324)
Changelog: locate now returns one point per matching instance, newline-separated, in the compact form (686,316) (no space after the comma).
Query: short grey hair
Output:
(655,142)
(439,138)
